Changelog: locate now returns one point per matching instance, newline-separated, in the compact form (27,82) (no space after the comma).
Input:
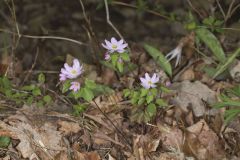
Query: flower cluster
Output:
(71,72)
(115,47)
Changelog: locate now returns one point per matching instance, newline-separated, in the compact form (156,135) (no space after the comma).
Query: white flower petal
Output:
(143,80)
(76,64)
(145,85)
(114,41)
(67,67)
(153,85)
(120,42)
(105,46)
(147,77)
(109,44)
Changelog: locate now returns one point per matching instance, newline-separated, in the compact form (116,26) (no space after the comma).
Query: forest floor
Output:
(197,118)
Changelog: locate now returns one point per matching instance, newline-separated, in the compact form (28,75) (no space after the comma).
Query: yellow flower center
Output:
(73,71)
(150,83)
(114,46)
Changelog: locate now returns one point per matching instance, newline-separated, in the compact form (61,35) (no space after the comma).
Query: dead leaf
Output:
(68,127)
(235,71)
(171,137)
(110,157)
(187,75)
(192,95)
(86,156)
(203,142)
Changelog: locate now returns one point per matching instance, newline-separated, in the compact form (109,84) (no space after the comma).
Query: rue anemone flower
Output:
(71,72)
(75,86)
(149,82)
(107,56)
(62,77)
(176,53)
(114,45)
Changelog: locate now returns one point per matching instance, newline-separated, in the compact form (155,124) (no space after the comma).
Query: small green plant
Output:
(146,99)
(231,100)
(213,24)
(116,55)
(4,141)
(82,93)
(28,94)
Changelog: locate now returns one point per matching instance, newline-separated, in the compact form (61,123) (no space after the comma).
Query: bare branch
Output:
(44,37)
(109,21)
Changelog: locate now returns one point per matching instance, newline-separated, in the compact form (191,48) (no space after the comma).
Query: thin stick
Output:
(229,11)
(109,21)
(221,9)
(147,10)
(44,37)
(112,123)
(33,65)
(191,5)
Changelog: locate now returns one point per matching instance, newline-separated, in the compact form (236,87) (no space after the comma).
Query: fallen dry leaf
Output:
(191,95)
(171,137)
(187,75)
(203,142)
(68,127)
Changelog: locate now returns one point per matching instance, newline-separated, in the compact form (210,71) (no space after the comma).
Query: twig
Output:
(228,15)
(147,10)
(221,9)
(44,37)
(126,140)
(191,5)
(33,65)
(109,21)
(91,35)
(235,8)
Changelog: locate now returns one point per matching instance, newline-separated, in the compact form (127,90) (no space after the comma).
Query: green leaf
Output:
(227,103)
(28,87)
(151,109)
(135,97)
(41,78)
(47,99)
(90,84)
(29,100)
(161,103)
(149,98)
(212,42)
(154,92)
(114,58)
(165,89)
(120,66)
(102,89)
(144,92)
(159,58)
(126,92)
(109,65)
(141,101)
(235,90)
(4,141)
(40,103)
(66,86)
(36,92)
(78,109)
(5,83)
(222,67)
(231,114)
(86,94)
(191,25)
(125,56)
